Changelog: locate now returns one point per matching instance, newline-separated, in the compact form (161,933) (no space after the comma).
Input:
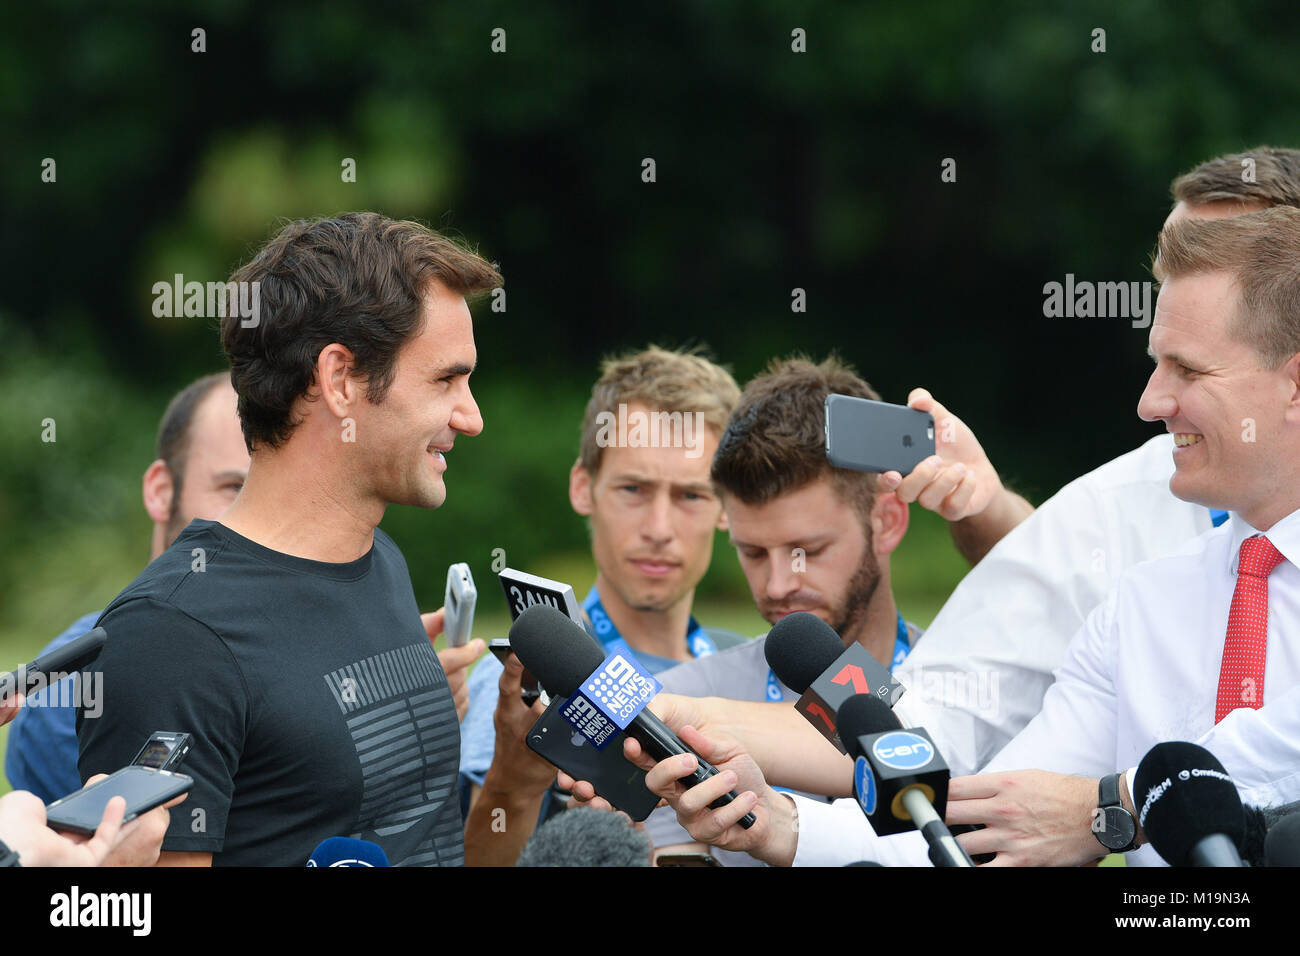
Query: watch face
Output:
(1120,828)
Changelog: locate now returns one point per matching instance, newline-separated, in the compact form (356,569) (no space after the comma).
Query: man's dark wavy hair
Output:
(357,280)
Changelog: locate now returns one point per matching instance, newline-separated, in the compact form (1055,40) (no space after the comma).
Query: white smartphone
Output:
(459,601)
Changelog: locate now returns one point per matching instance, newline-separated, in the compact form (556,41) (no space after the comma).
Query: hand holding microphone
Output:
(564,657)
(810,658)
(899,778)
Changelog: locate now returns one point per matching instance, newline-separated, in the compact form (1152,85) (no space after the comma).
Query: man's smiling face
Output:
(1215,395)
(403,438)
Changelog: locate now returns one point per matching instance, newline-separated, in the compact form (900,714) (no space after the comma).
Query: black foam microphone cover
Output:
(1183,796)
(559,653)
(1282,845)
(863,715)
(587,837)
(799,648)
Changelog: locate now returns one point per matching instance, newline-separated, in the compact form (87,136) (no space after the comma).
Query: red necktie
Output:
(1241,675)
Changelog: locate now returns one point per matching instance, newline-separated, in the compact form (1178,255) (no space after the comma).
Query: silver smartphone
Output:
(459,601)
(876,436)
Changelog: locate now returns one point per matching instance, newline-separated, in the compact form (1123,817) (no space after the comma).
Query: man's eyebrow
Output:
(1173,357)
(639,479)
(704,486)
(459,368)
(231,476)
(808,544)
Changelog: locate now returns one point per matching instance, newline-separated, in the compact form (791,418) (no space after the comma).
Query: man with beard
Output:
(812,537)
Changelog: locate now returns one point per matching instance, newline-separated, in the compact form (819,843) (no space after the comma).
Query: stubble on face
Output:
(852,612)
(845,612)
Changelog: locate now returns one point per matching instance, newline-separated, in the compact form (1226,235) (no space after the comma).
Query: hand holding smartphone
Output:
(143,787)
(148,782)
(863,435)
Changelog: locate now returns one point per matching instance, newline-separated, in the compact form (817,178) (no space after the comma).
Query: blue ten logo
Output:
(864,785)
(903,750)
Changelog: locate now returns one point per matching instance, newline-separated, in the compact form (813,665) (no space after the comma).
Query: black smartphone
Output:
(620,782)
(164,750)
(876,436)
(143,787)
(686,859)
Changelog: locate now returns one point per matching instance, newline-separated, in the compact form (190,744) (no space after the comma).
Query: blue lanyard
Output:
(901,647)
(1217,517)
(698,643)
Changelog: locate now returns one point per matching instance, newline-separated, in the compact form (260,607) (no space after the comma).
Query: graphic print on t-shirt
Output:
(390,702)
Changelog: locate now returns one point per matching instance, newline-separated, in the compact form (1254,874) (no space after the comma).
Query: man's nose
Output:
(1157,402)
(466,418)
(658,525)
(782,581)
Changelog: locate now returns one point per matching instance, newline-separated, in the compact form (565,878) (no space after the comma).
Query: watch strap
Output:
(1108,795)
(8,857)
(1108,791)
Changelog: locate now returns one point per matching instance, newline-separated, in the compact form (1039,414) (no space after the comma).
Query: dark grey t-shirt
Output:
(316,702)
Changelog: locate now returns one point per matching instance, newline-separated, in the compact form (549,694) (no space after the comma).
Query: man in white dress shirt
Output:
(989,656)
(1146,667)
(1153,664)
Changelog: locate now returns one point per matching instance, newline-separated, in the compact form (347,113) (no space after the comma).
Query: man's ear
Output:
(1291,369)
(336,378)
(580,489)
(724,524)
(158,489)
(889,517)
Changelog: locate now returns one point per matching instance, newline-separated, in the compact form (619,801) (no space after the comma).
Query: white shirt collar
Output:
(1284,535)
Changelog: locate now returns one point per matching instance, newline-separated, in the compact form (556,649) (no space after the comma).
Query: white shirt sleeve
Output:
(837,834)
(1075,731)
(980,673)
(1260,750)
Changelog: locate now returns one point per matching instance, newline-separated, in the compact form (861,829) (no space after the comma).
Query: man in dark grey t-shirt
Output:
(286,638)
(318,703)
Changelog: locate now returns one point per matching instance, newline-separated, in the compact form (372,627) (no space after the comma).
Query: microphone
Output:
(587,837)
(899,778)
(345,851)
(809,657)
(1282,845)
(1190,808)
(562,656)
(68,659)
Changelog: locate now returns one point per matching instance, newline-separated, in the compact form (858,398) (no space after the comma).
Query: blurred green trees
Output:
(775,170)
